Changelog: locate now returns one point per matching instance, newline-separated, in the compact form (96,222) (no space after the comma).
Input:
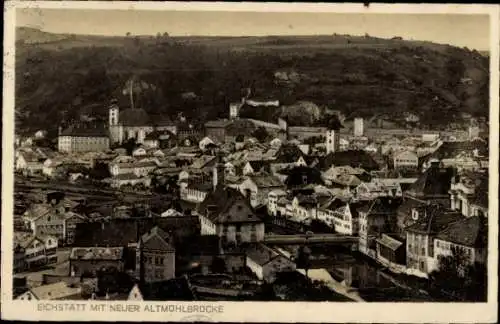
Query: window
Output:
(422,266)
(423,251)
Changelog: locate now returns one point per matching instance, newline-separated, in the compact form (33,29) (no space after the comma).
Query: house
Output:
(139,168)
(152,140)
(130,179)
(217,129)
(391,251)
(51,165)
(265,262)
(230,169)
(429,222)
(60,222)
(196,192)
(252,167)
(29,162)
(348,181)
(40,134)
(206,143)
(275,143)
(405,159)
(342,216)
(374,219)
(302,209)
(272,201)
(178,289)
(88,261)
(343,144)
(287,154)
(434,184)
(371,148)
(171,213)
(204,162)
(259,187)
(155,256)
(83,138)
(302,176)
(39,250)
(378,188)
(468,236)
(139,152)
(232,216)
(469,193)
(56,291)
(332,173)
(464,155)
(353,158)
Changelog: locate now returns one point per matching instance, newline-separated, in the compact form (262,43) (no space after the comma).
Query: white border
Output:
(258,311)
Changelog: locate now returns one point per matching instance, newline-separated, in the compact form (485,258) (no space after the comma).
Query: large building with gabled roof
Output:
(135,123)
(232,216)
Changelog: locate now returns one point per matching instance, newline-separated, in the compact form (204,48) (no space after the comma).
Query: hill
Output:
(60,77)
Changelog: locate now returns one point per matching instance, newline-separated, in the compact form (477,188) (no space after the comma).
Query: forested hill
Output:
(60,77)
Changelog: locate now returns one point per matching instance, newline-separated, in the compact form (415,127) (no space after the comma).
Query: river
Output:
(371,281)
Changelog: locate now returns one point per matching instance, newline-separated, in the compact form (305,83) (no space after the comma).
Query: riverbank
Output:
(323,276)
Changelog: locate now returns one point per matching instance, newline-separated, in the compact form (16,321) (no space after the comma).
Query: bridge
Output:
(290,239)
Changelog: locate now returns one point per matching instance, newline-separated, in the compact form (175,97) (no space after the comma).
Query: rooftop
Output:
(227,205)
(97,253)
(261,254)
(85,131)
(434,220)
(59,290)
(469,232)
(266,181)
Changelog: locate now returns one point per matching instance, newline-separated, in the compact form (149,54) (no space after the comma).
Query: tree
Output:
(304,259)
(100,171)
(458,279)
(318,226)
(130,145)
(261,134)
(218,265)
(128,34)
(455,69)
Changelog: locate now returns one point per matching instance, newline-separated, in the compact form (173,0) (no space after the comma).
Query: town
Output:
(144,207)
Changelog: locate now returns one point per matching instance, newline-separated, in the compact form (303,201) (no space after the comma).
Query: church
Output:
(135,123)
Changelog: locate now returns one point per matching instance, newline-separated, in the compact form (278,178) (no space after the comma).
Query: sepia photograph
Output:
(221,155)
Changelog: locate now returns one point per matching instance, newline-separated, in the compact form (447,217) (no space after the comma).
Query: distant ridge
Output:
(30,35)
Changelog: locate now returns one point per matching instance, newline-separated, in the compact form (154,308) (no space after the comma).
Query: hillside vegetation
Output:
(61,77)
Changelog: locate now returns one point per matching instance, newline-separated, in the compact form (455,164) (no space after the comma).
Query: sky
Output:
(455,29)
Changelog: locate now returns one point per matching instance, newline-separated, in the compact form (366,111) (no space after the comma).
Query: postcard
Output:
(249,162)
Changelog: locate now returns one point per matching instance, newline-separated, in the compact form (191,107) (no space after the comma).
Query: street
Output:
(61,268)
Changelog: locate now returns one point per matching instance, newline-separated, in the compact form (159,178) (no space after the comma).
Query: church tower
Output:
(332,134)
(114,113)
(218,173)
(114,127)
